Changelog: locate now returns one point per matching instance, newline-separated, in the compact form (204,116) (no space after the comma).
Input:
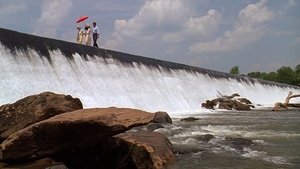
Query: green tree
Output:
(297,74)
(235,70)
(254,74)
(286,75)
(297,69)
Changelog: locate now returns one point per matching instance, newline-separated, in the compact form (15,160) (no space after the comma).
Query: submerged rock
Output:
(74,130)
(205,138)
(189,119)
(238,143)
(153,126)
(32,109)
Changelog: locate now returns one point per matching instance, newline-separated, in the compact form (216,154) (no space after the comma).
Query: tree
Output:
(297,69)
(297,74)
(235,70)
(286,75)
(254,74)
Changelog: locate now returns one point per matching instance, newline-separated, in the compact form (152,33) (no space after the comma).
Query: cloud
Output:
(163,23)
(248,28)
(53,14)
(9,11)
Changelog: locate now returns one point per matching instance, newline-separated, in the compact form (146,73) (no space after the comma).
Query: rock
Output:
(129,150)
(208,104)
(148,149)
(46,163)
(228,103)
(205,138)
(32,109)
(189,119)
(233,104)
(238,143)
(162,117)
(244,100)
(153,126)
(74,130)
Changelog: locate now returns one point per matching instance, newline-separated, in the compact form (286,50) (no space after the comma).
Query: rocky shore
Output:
(51,130)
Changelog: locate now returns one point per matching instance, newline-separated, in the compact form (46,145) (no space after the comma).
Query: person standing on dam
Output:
(80,34)
(88,32)
(95,34)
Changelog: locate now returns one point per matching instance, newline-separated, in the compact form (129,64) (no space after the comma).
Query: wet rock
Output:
(189,119)
(32,109)
(244,100)
(162,117)
(129,150)
(205,138)
(153,126)
(74,130)
(228,103)
(209,104)
(46,163)
(148,149)
(238,143)
(233,104)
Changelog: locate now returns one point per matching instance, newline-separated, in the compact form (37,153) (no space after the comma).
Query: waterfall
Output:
(103,78)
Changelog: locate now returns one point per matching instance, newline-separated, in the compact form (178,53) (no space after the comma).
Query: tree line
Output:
(285,74)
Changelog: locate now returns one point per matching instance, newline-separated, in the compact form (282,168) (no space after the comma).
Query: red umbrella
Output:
(82,19)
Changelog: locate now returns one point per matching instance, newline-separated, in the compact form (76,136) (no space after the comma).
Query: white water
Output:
(103,83)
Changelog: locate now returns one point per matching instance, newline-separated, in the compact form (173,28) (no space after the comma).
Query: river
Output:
(276,138)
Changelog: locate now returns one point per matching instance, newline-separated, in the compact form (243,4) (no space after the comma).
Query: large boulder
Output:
(74,130)
(148,150)
(129,150)
(32,109)
(46,163)
(162,117)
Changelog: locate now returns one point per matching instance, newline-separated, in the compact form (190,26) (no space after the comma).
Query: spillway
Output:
(101,78)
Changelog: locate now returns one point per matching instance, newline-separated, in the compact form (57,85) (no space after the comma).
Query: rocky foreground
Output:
(51,130)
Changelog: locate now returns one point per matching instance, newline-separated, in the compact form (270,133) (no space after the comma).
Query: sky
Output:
(255,35)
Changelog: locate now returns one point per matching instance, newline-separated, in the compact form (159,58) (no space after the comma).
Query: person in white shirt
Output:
(95,34)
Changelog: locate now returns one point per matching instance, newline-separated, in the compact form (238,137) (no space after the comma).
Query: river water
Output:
(276,138)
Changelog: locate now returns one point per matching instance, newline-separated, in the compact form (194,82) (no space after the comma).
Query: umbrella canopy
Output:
(81,19)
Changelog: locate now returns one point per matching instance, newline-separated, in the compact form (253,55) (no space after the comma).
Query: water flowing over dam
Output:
(101,78)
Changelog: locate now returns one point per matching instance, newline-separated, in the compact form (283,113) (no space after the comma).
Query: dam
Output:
(102,78)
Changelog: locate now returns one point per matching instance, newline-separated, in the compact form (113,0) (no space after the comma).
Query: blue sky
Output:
(256,35)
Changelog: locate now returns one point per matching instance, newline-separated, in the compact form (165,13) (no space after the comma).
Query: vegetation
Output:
(235,70)
(284,74)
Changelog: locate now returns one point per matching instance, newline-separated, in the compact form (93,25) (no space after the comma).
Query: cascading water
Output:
(102,78)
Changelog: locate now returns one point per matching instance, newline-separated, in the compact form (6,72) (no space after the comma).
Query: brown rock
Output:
(208,104)
(32,109)
(148,150)
(74,130)
(244,100)
(233,104)
(38,164)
